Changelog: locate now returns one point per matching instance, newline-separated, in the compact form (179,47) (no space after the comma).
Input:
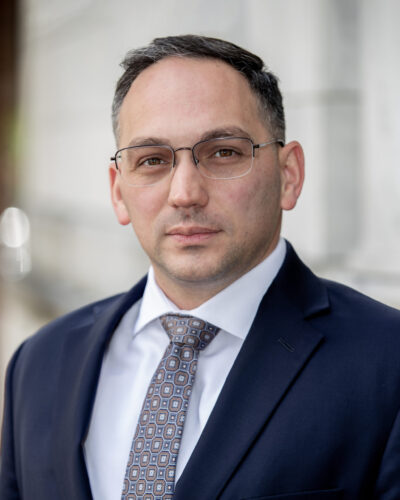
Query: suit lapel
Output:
(78,378)
(277,348)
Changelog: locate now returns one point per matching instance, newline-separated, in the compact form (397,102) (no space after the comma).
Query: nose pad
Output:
(184,149)
(195,161)
(186,185)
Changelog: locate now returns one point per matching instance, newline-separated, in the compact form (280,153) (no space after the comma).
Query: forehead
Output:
(183,97)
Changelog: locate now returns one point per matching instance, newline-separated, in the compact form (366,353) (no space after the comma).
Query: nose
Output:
(187,186)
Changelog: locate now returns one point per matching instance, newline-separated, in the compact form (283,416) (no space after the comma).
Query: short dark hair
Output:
(263,83)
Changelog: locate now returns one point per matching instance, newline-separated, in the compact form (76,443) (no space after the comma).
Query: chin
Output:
(200,272)
(193,275)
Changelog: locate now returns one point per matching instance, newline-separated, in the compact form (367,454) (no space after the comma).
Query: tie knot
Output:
(188,330)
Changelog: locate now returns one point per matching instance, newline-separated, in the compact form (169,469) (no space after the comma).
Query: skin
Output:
(202,234)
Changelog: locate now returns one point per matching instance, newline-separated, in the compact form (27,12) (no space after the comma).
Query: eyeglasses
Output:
(220,158)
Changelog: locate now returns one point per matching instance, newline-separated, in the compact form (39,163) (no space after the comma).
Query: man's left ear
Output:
(291,160)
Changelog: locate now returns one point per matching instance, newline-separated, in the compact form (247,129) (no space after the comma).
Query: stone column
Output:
(378,257)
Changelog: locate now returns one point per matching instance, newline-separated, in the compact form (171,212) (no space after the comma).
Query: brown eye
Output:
(224,153)
(152,162)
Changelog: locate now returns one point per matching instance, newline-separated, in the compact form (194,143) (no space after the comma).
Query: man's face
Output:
(198,231)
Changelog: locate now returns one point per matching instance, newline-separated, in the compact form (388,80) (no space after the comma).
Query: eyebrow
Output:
(232,131)
(148,141)
(229,131)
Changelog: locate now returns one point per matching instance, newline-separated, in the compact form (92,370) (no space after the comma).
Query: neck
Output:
(187,295)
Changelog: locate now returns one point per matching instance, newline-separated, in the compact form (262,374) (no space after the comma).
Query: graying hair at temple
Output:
(263,83)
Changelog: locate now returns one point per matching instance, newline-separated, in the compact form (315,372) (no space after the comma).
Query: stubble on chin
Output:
(204,267)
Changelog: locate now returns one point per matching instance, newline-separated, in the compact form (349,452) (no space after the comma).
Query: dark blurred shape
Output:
(8,96)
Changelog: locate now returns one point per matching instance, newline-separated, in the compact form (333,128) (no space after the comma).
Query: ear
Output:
(291,160)
(116,196)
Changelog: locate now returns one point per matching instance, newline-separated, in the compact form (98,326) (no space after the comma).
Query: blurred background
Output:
(60,244)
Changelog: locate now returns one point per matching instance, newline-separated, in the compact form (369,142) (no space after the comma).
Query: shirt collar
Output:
(233,309)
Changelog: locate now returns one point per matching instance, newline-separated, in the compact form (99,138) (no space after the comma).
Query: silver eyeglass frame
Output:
(195,160)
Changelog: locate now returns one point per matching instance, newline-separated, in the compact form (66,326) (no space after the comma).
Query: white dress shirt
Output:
(133,355)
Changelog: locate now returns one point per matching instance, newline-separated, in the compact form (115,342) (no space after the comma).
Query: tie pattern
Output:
(150,473)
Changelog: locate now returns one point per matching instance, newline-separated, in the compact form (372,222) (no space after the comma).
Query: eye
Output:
(153,162)
(225,153)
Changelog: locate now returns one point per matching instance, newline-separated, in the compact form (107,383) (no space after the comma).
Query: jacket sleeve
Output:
(8,475)
(388,482)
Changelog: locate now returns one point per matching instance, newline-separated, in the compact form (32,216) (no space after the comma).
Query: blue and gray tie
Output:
(150,473)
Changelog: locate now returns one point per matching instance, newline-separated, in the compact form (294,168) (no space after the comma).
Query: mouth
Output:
(192,234)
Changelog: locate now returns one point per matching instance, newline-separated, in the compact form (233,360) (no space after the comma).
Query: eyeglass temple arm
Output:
(262,144)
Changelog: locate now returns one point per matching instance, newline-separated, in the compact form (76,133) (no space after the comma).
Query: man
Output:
(297,387)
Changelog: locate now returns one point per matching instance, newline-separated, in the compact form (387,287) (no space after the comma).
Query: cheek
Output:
(239,210)
(143,204)
(244,198)
(237,194)
(143,208)
(260,200)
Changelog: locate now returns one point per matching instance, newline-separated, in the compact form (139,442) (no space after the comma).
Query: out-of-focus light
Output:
(14,227)
(15,256)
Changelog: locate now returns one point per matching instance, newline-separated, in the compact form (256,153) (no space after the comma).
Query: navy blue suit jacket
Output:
(308,411)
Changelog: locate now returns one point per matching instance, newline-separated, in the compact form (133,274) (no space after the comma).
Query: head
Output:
(202,233)
(263,83)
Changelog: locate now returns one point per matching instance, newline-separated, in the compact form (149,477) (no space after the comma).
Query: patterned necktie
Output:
(150,473)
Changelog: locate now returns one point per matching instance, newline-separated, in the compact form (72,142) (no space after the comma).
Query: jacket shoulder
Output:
(351,302)
(76,319)
(74,334)
(339,304)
